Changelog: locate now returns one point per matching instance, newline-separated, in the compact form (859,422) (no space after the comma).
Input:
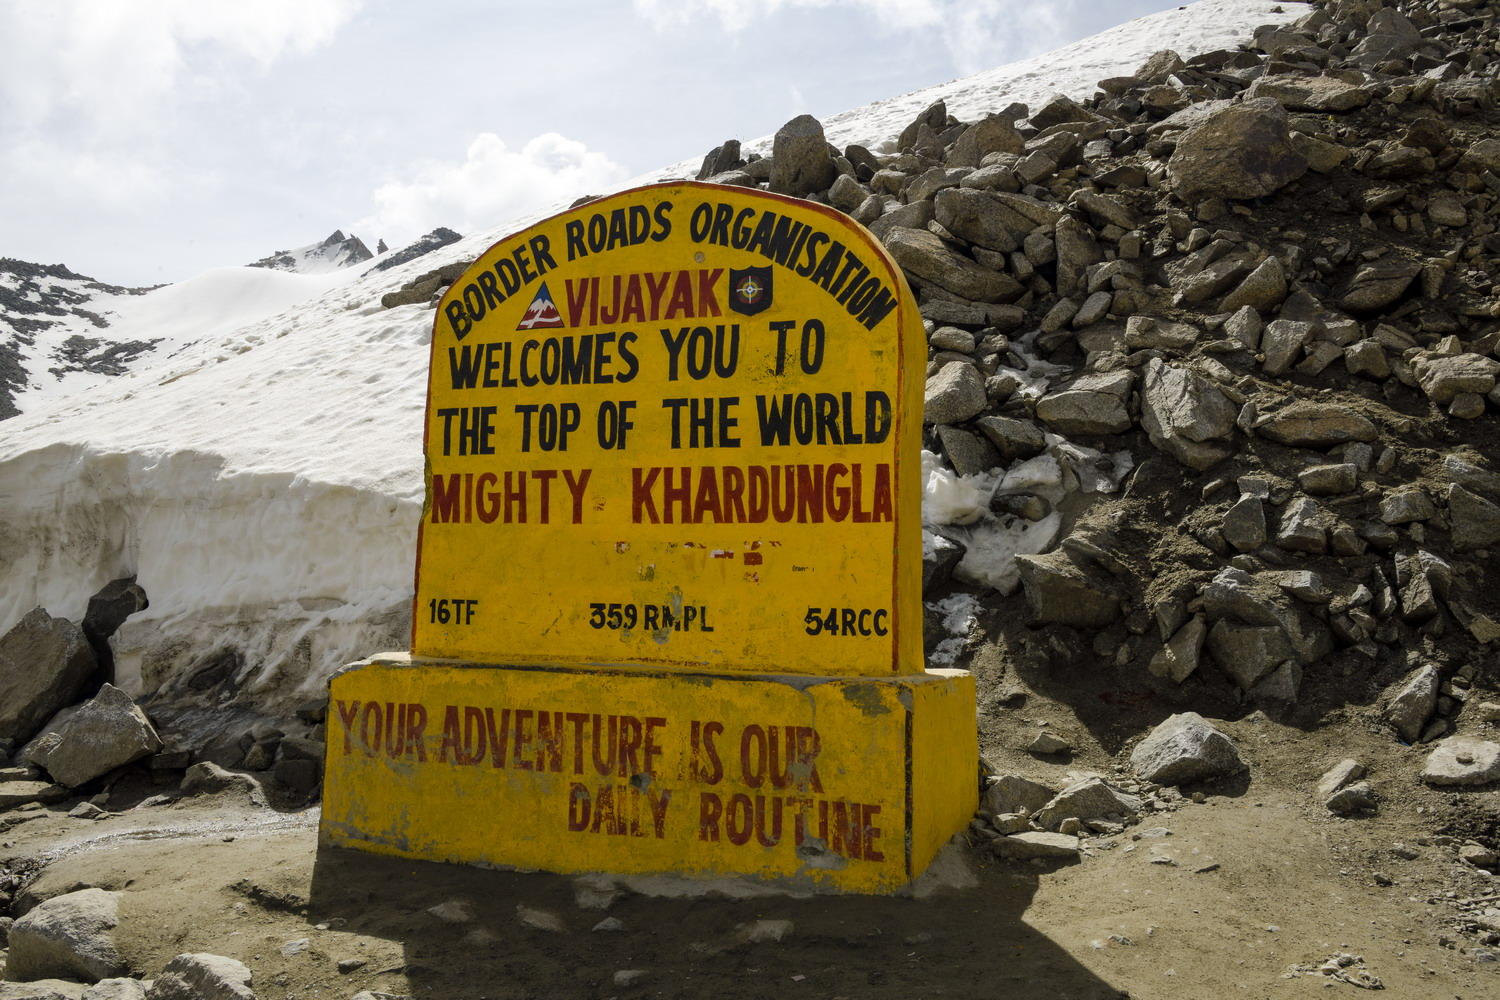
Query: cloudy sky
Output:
(142,141)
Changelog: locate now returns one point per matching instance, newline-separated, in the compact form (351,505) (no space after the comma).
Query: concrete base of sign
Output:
(843,784)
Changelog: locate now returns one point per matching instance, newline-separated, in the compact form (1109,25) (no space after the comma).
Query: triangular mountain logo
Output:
(542,313)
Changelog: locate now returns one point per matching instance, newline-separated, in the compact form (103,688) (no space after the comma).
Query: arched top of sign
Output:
(676,428)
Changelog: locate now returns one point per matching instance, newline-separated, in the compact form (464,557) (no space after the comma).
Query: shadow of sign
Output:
(485,942)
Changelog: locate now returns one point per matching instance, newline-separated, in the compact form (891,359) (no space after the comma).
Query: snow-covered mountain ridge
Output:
(262,480)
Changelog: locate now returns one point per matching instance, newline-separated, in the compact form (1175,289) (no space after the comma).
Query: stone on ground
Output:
(1414,701)
(106,732)
(1036,844)
(1091,798)
(202,976)
(800,161)
(1463,761)
(1011,793)
(1062,592)
(67,937)
(1185,748)
(1242,151)
(42,989)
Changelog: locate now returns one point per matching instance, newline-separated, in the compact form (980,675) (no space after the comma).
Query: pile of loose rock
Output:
(1272,275)
(67,733)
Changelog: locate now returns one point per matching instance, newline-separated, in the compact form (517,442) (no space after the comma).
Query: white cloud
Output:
(979,34)
(492,185)
(91,88)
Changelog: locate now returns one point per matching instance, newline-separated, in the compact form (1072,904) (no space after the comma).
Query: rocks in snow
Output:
(106,732)
(1463,761)
(67,937)
(44,661)
(1185,748)
(202,976)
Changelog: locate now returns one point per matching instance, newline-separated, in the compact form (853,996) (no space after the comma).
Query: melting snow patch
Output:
(960,617)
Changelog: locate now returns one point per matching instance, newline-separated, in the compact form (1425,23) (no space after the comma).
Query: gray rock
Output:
(19,793)
(980,218)
(1235,595)
(1152,331)
(1281,342)
(207,778)
(1444,378)
(1245,326)
(951,338)
(1264,289)
(800,161)
(1471,476)
(1341,775)
(1103,210)
(1376,286)
(1278,689)
(1178,658)
(1423,578)
(1463,761)
(954,394)
(1367,358)
(721,159)
(1181,411)
(1011,793)
(1013,438)
(1076,250)
(1329,480)
(1406,505)
(1476,521)
(106,732)
(1414,701)
(913,216)
(1093,404)
(847,194)
(1046,744)
(992,134)
(1242,151)
(940,555)
(42,989)
(1310,93)
(1308,424)
(44,661)
(934,117)
(1061,592)
(1244,524)
(1091,798)
(202,976)
(1036,844)
(1185,748)
(969,454)
(1352,799)
(1247,653)
(924,255)
(1161,65)
(116,989)
(1304,527)
(1481,156)
(67,937)
(927,184)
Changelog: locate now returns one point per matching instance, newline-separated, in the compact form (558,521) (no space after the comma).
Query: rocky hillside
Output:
(53,323)
(334,252)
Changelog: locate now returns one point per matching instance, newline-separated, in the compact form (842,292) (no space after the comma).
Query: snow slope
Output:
(264,484)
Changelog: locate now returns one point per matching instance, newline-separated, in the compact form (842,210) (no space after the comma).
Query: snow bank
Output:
(263,482)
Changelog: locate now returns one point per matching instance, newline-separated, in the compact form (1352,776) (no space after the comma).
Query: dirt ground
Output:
(1252,881)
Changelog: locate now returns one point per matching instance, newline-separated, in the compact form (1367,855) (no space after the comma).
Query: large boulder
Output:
(1476,521)
(1185,748)
(1092,404)
(1182,411)
(801,163)
(1242,151)
(924,255)
(202,977)
(106,732)
(992,134)
(67,937)
(44,662)
(980,218)
(1376,286)
(1011,793)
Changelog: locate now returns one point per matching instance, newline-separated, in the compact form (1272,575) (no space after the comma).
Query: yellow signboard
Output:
(676,428)
(846,784)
